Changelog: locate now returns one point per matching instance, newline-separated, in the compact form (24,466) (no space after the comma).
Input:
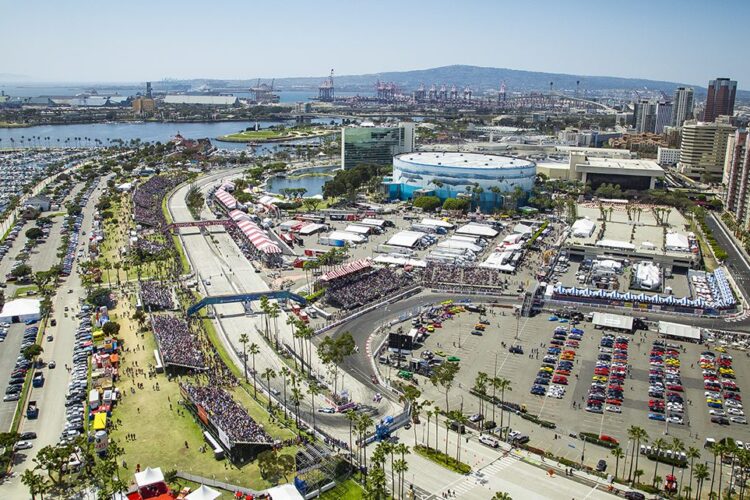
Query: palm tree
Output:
(34,482)
(659,444)
(701,474)
(618,454)
(244,339)
(501,495)
(480,387)
(274,313)
(717,451)
(401,466)
(436,412)
(677,447)
(692,453)
(637,434)
(363,425)
(269,373)
(351,416)
(285,373)
(313,390)
(504,385)
(254,349)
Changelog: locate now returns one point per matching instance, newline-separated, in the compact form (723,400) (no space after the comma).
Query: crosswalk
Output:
(475,479)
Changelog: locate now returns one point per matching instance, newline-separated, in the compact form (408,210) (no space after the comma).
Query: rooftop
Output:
(624,164)
(457,159)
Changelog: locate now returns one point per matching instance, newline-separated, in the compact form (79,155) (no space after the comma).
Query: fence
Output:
(216,484)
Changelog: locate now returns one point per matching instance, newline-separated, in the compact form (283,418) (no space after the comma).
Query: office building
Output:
(737,177)
(720,99)
(667,156)
(644,116)
(682,106)
(662,116)
(375,145)
(703,150)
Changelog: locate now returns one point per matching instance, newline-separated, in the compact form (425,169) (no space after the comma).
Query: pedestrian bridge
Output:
(245,297)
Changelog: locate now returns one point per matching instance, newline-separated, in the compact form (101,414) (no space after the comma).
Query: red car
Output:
(601,371)
(559,379)
(674,387)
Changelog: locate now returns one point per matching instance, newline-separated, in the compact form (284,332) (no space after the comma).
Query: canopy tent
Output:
(284,492)
(437,223)
(500,261)
(462,245)
(621,245)
(149,476)
(353,228)
(254,233)
(583,228)
(100,421)
(346,269)
(347,236)
(311,228)
(615,321)
(373,222)
(676,330)
(522,229)
(203,493)
(407,239)
(399,260)
(21,310)
(226,199)
(475,229)
(677,242)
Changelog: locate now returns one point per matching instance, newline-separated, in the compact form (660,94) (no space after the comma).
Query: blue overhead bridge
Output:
(245,297)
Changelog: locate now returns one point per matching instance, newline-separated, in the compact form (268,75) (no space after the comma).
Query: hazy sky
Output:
(73,40)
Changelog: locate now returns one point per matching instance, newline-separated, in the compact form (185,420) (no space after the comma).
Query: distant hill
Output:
(481,79)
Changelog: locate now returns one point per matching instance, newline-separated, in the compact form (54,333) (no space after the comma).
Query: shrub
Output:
(594,438)
(427,203)
(441,458)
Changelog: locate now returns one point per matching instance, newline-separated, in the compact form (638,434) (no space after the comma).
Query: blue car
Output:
(577,331)
(538,390)
(553,318)
(30,321)
(656,416)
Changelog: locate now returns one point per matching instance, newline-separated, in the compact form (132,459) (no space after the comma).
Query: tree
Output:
(636,434)
(443,376)
(244,339)
(480,387)
(99,297)
(111,328)
(427,203)
(503,385)
(254,349)
(460,204)
(21,271)
(285,373)
(701,474)
(677,446)
(311,204)
(269,373)
(692,453)
(618,454)
(32,351)
(313,390)
(501,495)
(34,482)
(34,233)
(659,444)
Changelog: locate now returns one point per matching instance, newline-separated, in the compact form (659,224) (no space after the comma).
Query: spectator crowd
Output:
(463,276)
(147,210)
(226,414)
(361,288)
(177,344)
(155,296)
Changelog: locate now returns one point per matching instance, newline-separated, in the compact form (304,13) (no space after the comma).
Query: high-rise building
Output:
(682,106)
(720,99)
(644,116)
(375,145)
(737,177)
(703,150)
(662,116)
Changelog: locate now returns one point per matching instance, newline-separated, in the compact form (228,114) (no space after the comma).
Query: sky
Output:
(684,41)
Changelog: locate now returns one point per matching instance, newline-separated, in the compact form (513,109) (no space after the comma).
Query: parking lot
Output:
(10,349)
(486,353)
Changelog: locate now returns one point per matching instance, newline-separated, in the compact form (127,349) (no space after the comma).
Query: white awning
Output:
(203,493)
(149,476)
(347,236)
(677,330)
(406,239)
(373,222)
(463,245)
(437,223)
(284,492)
(477,230)
(352,228)
(311,228)
(617,321)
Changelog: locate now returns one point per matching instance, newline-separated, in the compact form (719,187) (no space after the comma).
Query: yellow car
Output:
(721,349)
(599,378)
(430,328)
(726,371)
(546,369)
(713,400)
(707,366)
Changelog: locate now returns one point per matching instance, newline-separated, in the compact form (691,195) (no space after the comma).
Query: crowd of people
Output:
(361,288)
(156,296)
(470,276)
(177,344)
(147,210)
(226,414)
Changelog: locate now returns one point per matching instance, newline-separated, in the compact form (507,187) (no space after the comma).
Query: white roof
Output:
(406,238)
(463,245)
(437,222)
(677,241)
(613,321)
(347,236)
(470,239)
(522,229)
(149,476)
(203,493)
(583,228)
(20,307)
(453,159)
(311,228)
(399,260)
(352,228)
(372,222)
(477,230)
(499,261)
(678,330)
(284,492)
(624,245)
(512,239)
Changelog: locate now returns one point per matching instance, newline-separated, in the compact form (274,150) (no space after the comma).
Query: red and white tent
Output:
(226,199)
(254,233)
(346,269)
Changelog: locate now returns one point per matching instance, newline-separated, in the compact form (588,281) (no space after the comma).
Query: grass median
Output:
(442,459)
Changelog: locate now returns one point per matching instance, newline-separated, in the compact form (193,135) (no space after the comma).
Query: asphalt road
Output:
(736,261)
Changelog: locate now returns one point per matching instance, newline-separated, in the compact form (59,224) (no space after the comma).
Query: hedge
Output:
(594,438)
(533,418)
(442,459)
(312,297)
(667,460)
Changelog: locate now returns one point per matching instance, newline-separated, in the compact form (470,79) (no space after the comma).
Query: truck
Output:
(32,410)
(38,379)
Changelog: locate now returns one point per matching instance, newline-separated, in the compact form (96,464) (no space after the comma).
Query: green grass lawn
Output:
(21,291)
(345,490)
(270,134)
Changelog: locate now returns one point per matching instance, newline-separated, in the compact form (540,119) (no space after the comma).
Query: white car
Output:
(718,413)
(735,411)
(23,445)
(614,409)
(489,441)
(326,410)
(738,420)
(675,419)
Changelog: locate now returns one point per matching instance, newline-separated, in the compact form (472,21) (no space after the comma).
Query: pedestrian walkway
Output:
(468,483)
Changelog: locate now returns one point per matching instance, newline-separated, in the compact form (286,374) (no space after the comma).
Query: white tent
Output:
(679,331)
(20,310)
(583,228)
(284,492)
(463,245)
(437,223)
(522,229)
(353,228)
(677,242)
(406,239)
(347,236)
(616,321)
(621,245)
(477,230)
(373,222)
(149,476)
(203,493)
(311,228)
